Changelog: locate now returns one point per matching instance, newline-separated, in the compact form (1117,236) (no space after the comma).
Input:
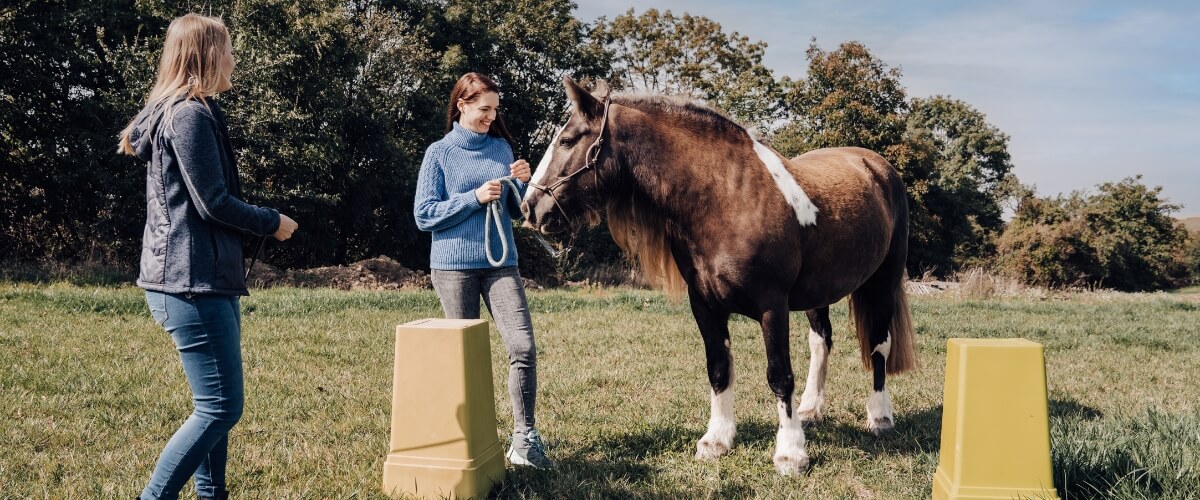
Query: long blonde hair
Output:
(194,64)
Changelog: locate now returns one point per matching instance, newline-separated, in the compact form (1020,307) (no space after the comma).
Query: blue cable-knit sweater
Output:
(446,205)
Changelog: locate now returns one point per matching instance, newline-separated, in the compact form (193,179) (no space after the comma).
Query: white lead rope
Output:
(494,209)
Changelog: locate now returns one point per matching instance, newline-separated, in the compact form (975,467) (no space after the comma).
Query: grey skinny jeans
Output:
(504,294)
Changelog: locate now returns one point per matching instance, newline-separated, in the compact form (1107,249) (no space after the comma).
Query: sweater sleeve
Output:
(195,144)
(433,207)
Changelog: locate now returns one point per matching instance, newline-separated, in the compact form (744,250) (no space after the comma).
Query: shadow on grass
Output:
(1068,408)
(610,467)
(622,465)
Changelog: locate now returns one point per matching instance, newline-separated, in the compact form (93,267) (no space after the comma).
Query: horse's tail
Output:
(865,308)
(882,298)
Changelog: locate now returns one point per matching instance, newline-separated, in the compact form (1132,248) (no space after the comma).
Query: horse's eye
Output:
(567,142)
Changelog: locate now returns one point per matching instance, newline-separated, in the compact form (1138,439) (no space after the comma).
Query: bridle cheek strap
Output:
(592,156)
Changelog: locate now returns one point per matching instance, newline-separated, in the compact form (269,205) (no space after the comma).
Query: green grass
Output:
(90,389)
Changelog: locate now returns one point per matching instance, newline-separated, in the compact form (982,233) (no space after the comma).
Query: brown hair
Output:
(469,87)
(193,65)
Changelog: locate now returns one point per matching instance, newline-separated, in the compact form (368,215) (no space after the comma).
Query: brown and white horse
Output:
(704,206)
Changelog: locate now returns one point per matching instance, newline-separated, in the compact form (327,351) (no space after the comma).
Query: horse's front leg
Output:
(790,457)
(714,328)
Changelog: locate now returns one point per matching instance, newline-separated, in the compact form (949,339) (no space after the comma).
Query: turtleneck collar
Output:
(466,138)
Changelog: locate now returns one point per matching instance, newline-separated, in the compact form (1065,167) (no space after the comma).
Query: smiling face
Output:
(478,115)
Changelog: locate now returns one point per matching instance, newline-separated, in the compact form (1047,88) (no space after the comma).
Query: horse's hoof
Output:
(880,426)
(791,465)
(711,449)
(809,418)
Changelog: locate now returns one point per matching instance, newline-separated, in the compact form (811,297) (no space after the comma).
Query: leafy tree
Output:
(692,56)
(1191,258)
(333,105)
(972,175)
(852,98)
(63,193)
(1122,237)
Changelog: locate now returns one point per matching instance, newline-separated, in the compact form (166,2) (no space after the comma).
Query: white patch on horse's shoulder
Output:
(806,212)
(540,172)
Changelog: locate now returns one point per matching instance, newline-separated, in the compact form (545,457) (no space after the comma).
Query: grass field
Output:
(90,389)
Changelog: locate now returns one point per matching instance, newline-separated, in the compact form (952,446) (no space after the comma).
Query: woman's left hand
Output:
(520,170)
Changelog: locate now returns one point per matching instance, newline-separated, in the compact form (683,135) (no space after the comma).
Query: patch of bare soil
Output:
(379,273)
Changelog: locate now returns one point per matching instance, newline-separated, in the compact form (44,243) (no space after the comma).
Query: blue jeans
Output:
(504,294)
(207,333)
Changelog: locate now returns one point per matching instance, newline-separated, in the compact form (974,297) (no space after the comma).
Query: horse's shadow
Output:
(616,465)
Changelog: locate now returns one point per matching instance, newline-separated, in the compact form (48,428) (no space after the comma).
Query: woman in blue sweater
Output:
(459,177)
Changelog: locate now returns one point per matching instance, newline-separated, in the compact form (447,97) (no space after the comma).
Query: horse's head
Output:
(565,189)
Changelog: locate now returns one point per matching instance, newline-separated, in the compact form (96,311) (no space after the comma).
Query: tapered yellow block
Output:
(995,423)
(444,441)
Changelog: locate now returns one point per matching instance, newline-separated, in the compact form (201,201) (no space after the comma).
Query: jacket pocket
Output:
(227,252)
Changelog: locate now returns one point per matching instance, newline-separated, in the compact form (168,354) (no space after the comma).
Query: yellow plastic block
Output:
(995,424)
(444,441)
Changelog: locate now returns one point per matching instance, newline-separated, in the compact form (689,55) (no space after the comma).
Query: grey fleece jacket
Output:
(195,218)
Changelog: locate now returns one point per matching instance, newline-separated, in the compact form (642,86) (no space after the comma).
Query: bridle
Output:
(592,155)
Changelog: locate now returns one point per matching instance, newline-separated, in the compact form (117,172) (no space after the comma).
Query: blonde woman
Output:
(192,263)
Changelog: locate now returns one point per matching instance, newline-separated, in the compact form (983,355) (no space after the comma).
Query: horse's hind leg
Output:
(820,343)
(714,328)
(790,457)
(873,309)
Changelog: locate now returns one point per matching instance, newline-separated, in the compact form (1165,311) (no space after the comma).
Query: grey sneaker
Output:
(529,451)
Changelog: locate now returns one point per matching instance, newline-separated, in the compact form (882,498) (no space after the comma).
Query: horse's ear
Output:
(585,103)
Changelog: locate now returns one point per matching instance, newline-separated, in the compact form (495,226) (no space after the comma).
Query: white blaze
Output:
(544,165)
(806,212)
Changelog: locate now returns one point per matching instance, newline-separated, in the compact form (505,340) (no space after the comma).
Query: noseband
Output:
(592,155)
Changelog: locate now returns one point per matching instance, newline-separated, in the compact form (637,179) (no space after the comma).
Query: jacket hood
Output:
(145,126)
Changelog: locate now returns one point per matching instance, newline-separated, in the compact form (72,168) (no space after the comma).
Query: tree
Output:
(852,98)
(972,175)
(692,56)
(1191,258)
(63,193)
(1122,237)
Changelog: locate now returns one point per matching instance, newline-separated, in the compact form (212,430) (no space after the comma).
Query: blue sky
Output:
(1089,92)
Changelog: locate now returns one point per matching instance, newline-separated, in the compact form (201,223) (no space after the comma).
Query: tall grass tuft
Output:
(1150,455)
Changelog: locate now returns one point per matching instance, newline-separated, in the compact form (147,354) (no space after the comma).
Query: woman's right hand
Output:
(488,192)
(286,227)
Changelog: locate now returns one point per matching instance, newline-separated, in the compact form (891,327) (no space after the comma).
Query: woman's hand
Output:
(488,192)
(520,170)
(287,226)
